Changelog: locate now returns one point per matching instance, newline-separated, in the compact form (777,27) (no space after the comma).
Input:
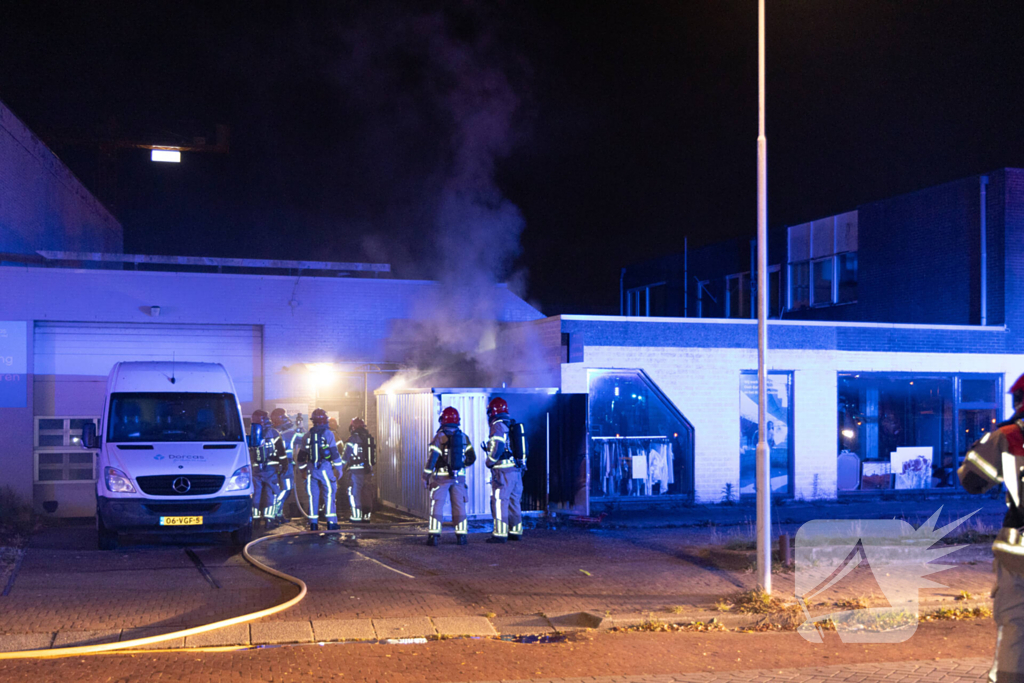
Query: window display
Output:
(907,431)
(779,418)
(640,444)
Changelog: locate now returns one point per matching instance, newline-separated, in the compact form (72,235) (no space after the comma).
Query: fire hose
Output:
(205,628)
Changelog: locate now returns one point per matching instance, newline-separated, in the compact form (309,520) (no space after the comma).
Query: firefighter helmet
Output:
(278,416)
(497,406)
(261,417)
(332,424)
(450,416)
(356,424)
(1017,390)
(318,417)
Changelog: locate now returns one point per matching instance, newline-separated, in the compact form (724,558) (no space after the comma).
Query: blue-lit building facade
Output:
(895,329)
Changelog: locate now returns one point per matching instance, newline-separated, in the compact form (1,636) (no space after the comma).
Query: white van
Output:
(172,453)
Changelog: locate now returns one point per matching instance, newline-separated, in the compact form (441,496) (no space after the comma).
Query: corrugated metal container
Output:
(406,422)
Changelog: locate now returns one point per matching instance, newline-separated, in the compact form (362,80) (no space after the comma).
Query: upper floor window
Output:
(823,262)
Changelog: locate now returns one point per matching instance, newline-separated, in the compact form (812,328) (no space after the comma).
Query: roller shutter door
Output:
(72,360)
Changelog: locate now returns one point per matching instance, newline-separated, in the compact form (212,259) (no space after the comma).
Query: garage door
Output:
(71,364)
(72,360)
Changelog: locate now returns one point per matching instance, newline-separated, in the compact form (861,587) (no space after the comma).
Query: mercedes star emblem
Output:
(181,485)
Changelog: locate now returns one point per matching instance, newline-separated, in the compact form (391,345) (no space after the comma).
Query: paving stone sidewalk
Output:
(65,588)
(945,670)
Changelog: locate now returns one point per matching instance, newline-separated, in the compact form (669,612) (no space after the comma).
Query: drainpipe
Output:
(686,279)
(984,254)
(622,299)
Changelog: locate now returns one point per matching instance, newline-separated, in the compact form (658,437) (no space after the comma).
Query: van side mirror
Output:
(255,436)
(90,440)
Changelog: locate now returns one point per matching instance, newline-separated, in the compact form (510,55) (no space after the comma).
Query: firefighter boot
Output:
(332,526)
(515,537)
(462,539)
(314,526)
(432,539)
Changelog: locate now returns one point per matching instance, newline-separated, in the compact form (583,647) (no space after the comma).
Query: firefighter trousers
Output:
(265,490)
(1008,612)
(506,497)
(444,486)
(360,495)
(321,487)
(286,481)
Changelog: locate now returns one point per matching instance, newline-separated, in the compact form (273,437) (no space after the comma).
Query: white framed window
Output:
(57,455)
(823,262)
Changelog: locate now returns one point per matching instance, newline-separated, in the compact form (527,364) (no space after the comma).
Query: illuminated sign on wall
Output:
(13,364)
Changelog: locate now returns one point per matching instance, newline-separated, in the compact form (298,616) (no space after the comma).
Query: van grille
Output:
(198,484)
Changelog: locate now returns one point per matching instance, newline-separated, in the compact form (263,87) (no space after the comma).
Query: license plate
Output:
(180,521)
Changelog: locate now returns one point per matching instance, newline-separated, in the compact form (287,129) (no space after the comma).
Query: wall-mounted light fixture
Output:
(154,311)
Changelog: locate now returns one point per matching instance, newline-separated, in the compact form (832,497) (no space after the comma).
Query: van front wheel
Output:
(107,539)
(242,536)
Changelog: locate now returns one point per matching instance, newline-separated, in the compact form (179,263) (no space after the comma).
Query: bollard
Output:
(785,556)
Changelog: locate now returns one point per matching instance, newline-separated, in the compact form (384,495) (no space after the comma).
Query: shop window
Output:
(57,454)
(821,274)
(846,274)
(911,432)
(779,417)
(640,444)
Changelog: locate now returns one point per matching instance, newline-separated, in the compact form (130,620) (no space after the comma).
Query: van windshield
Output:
(173,417)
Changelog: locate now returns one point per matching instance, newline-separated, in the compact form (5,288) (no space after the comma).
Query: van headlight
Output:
(117,481)
(240,480)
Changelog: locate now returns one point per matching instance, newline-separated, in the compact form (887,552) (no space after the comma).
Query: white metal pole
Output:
(764,490)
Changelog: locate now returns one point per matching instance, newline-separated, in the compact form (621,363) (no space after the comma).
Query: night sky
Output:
(548,143)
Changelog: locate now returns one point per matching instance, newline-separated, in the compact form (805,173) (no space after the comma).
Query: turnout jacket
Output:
(439,456)
(319,447)
(270,452)
(358,451)
(499,451)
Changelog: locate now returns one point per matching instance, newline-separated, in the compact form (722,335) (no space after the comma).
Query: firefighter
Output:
(450,452)
(998,457)
(358,459)
(290,438)
(506,458)
(267,458)
(319,458)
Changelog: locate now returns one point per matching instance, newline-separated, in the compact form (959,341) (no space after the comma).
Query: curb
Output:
(393,630)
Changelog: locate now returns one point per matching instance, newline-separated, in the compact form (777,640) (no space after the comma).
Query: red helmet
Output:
(319,417)
(356,424)
(278,416)
(260,417)
(332,424)
(1018,391)
(497,406)
(450,416)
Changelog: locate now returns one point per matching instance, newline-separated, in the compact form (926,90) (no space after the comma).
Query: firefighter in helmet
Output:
(998,457)
(319,458)
(358,458)
(506,458)
(290,438)
(267,460)
(450,453)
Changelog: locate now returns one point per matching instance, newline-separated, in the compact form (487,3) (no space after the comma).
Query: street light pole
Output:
(763,459)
